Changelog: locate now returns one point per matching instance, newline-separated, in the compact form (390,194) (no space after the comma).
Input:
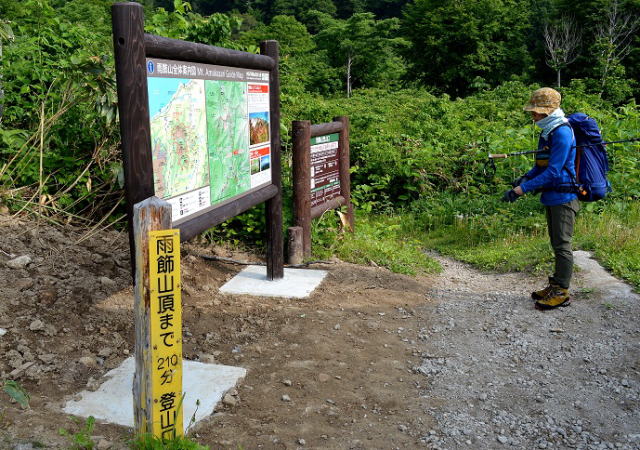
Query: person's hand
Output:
(519,181)
(518,190)
(510,196)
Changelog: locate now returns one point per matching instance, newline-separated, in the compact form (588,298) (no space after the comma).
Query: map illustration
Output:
(209,134)
(178,135)
(228,138)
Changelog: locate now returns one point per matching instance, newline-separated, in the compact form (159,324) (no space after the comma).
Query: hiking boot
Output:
(555,297)
(542,293)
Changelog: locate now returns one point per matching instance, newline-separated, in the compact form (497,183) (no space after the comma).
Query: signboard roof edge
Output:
(176,49)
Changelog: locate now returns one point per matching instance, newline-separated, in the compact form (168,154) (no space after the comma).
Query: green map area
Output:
(228,139)
(178,136)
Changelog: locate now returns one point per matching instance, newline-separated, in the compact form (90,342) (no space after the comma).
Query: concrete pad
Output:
(602,280)
(113,401)
(297,283)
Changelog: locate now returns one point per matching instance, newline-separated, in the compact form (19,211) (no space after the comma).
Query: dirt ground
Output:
(364,362)
(343,356)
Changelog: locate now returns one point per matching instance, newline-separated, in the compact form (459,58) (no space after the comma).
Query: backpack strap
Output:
(575,187)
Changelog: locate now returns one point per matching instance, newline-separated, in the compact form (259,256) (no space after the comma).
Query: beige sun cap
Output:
(544,101)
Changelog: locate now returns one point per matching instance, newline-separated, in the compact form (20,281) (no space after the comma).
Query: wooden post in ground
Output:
(345,167)
(301,136)
(275,244)
(149,215)
(133,101)
(296,254)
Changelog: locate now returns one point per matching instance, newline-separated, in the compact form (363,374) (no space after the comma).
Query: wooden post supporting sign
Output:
(275,245)
(157,384)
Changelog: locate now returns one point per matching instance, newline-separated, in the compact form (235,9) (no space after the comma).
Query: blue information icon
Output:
(151,67)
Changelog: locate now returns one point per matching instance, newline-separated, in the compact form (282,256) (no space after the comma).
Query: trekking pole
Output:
(490,168)
(531,152)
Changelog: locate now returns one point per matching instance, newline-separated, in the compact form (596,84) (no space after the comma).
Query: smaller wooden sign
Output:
(321,179)
(166,333)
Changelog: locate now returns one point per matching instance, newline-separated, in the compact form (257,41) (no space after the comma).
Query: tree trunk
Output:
(349,61)
(558,72)
(1,84)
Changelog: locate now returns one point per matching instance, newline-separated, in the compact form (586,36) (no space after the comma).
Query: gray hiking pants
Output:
(560,221)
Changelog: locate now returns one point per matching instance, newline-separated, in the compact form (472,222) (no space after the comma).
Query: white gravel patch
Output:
(508,375)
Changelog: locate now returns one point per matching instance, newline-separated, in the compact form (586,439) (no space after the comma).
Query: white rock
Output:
(88,361)
(503,439)
(286,398)
(229,400)
(103,444)
(2,332)
(207,358)
(19,263)
(107,282)
(36,325)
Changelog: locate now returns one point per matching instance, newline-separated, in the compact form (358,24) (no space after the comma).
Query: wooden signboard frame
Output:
(132,47)
(302,133)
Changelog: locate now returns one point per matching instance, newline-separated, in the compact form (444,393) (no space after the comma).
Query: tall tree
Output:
(366,49)
(562,42)
(615,37)
(6,34)
(300,8)
(455,43)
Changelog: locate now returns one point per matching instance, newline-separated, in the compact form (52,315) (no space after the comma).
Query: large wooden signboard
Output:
(321,179)
(200,128)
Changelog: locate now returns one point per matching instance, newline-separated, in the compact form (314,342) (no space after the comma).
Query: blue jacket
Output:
(555,167)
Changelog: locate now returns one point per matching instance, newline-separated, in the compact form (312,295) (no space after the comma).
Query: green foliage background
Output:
(436,87)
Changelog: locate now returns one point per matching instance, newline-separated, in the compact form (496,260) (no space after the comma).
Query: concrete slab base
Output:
(297,283)
(602,280)
(113,401)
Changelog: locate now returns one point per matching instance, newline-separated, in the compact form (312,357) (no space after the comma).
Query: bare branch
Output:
(615,38)
(562,43)
(617,33)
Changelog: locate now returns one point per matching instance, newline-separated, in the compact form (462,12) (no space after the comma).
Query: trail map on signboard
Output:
(325,173)
(210,133)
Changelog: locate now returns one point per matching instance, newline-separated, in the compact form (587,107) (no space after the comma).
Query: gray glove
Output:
(510,196)
(519,181)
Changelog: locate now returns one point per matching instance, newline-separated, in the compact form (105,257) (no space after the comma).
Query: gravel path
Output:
(504,374)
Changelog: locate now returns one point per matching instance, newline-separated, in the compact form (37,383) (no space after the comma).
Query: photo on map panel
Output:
(258,127)
(265,162)
(255,166)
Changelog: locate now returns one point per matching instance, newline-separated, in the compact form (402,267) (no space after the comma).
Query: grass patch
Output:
(516,239)
(612,233)
(148,442)
(387,241)
(485,233)
(488,234)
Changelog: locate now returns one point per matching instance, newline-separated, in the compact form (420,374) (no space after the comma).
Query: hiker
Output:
(553,171)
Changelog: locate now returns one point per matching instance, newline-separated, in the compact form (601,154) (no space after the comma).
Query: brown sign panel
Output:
(325,169)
